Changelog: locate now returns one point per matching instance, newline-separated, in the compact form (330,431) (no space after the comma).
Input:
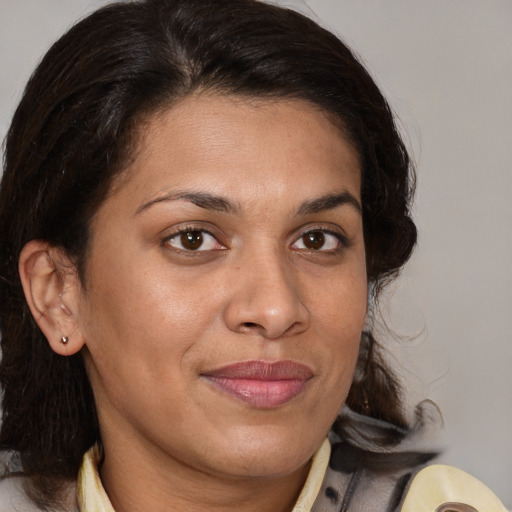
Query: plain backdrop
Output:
(446,68)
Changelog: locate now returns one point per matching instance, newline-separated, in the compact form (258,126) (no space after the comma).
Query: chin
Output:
(269,455)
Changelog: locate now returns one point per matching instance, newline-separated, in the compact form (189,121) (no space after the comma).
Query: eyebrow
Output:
(223,205)
(201,199)
(329,202)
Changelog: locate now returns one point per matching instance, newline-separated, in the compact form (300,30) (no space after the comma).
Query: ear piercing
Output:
(64,340)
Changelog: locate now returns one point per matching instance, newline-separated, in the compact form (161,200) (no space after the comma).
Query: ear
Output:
(52,290)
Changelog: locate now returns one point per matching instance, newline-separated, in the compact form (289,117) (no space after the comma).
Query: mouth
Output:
(261,384)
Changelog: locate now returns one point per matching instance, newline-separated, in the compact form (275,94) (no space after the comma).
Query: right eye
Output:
(194,240)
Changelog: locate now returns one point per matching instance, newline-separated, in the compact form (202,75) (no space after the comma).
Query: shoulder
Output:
(433,488)
(13,497)
(445,488)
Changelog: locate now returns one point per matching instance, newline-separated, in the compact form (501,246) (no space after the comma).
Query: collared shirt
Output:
(339,479)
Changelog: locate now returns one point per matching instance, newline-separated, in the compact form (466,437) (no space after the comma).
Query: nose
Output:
(265,299)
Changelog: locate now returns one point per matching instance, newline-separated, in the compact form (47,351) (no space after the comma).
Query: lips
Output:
(261,384)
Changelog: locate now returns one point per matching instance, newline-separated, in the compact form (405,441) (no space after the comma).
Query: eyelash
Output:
(342,240)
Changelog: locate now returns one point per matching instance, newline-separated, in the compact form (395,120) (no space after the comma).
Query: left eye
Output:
(317,240)
(194,240)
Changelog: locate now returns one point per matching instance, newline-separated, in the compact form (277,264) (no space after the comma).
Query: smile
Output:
(261,384)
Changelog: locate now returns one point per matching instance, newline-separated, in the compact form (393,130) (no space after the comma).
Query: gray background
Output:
(446,67)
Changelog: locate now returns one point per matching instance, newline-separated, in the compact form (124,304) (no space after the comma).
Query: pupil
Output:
(192,240)
(314,240)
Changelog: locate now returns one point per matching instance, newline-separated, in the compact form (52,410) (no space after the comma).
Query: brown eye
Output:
(197,240)
(191,240)
(314,240)
(318,240)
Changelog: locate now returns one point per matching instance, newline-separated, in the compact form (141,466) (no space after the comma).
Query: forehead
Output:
(216,143)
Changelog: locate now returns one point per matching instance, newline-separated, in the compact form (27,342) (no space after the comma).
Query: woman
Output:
(201,202)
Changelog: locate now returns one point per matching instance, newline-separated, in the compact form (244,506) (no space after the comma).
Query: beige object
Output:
(440,488)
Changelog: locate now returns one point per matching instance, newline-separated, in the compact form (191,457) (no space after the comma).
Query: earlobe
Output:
(51,289)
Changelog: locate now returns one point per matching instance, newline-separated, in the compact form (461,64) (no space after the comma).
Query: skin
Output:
(155,317)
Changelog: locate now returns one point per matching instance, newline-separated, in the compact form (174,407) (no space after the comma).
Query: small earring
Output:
(64,340)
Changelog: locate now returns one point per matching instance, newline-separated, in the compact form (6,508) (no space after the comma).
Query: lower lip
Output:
(262,394)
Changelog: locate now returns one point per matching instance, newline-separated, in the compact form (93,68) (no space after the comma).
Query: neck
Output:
(136,480)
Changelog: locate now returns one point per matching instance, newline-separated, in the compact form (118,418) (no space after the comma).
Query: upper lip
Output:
(262,370)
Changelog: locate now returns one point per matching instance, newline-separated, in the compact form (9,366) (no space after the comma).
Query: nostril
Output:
(250,325)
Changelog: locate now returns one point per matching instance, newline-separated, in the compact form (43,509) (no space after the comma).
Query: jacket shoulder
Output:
(439,488)
(13,497)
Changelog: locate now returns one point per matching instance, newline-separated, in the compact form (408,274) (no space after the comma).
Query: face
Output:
(226,287)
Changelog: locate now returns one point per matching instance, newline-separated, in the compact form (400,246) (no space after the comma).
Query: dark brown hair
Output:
(76,127)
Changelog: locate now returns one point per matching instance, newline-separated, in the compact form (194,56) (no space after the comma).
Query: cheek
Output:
(340,314)
(341,304)
(139,317)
